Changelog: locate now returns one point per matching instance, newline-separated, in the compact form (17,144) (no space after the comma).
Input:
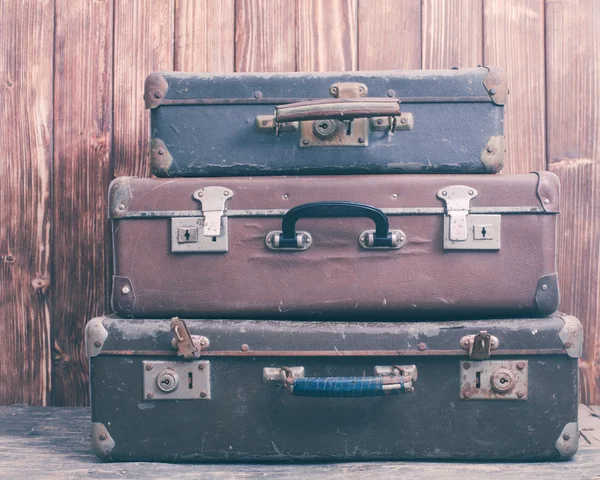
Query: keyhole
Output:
(166,382)
(187,234)
(478,380)
(483,232)
(323,126)
(214,239)
(503,380)
(190,383)
(348,128)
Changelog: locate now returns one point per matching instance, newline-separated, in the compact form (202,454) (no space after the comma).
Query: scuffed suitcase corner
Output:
(123,296)
(155,89)
(119,197)
(492,155)
(102,443)
(548,191)
(571,336)
(496,85)
(547,294)
(568,441)
(95,334)
(160,158)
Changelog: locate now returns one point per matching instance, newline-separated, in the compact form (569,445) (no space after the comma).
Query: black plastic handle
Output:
(338,209)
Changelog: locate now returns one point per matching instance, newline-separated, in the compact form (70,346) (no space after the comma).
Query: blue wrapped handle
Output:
(343,387)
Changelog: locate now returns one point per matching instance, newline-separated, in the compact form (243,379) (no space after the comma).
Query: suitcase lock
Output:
(464,230)
(206,232)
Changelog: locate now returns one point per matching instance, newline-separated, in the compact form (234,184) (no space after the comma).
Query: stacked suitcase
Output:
(338,277)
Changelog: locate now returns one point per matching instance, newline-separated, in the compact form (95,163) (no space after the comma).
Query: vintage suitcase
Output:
(448,121)
(267,247)
(284,391)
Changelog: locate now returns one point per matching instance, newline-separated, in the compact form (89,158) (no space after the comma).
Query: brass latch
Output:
(188,346)
(479,346)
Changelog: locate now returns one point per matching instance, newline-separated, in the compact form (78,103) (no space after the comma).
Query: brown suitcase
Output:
(306,247)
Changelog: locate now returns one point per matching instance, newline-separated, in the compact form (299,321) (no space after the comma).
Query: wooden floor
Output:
(54,443)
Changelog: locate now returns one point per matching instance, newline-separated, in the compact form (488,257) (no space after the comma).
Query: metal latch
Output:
(188,346)
(494,380)
(176,380)
(463,230)
(479,346)
(205,233)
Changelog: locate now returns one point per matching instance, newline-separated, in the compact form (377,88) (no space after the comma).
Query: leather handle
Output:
(349,387)
(337,108)
(338,209)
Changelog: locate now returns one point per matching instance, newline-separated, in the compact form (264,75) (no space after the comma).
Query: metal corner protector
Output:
(102,442)
(492,155)
(495,83)
(95,335)
(571,335)
(119,197)
(160,158)
(155,90)
(568,441)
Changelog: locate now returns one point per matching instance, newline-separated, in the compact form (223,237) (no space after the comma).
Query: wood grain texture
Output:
(389,34)
(327,35)
(514,40)
(143,41)
(452,33)
(573,90)
(55,442)
(82,144)
(204,35)
(26,36)
(265,36)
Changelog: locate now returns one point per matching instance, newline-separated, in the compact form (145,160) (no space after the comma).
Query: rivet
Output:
(544,287)
(97,344)
(379,121)
(403,121)
(305,142)
(521,365)
(158,94)
(466,365)
(363,239)
(546,201)
(121,206)
(566,436)
(492,91)
(568,344)
(444,193)
(361,139)
(226,193)
(257,94)
(285,195)
(203,394)
(265,122)
(200,194)
(149,395)
(269,240)
(422,346)
(520,394)
(149,367)
(203,343)
(307,240)
(467,394)
(201,366)
(125,290)
(245,347)
(102,437)
(390,93)
(401,238)
(490,149)
(470,192)
(395,195)
(161,152)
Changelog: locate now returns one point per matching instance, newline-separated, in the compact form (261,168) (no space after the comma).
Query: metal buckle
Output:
(188,346)
(479,346)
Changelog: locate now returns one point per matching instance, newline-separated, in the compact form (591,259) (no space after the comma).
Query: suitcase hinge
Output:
(205,233)
(188,346)
(479,346)
(463,230)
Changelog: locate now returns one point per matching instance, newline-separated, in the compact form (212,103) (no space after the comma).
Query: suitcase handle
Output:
(345,387)
(337,108)
(382,236)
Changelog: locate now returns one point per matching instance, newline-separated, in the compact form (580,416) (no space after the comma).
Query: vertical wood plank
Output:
(26,36)
(143,41)
(573,113)
(82,144)
(514,40)
(265,35)
(452,33)
(327,35)
(204,35)
(389,34)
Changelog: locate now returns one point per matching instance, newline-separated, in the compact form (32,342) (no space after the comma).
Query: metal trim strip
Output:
(282,212)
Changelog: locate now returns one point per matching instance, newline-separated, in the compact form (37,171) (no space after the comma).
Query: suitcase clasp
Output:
(188,346)
(479,346)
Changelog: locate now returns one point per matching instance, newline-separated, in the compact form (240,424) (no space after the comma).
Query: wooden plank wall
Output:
(72,118)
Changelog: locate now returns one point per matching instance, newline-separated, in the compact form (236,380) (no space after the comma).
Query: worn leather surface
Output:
(335,277)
